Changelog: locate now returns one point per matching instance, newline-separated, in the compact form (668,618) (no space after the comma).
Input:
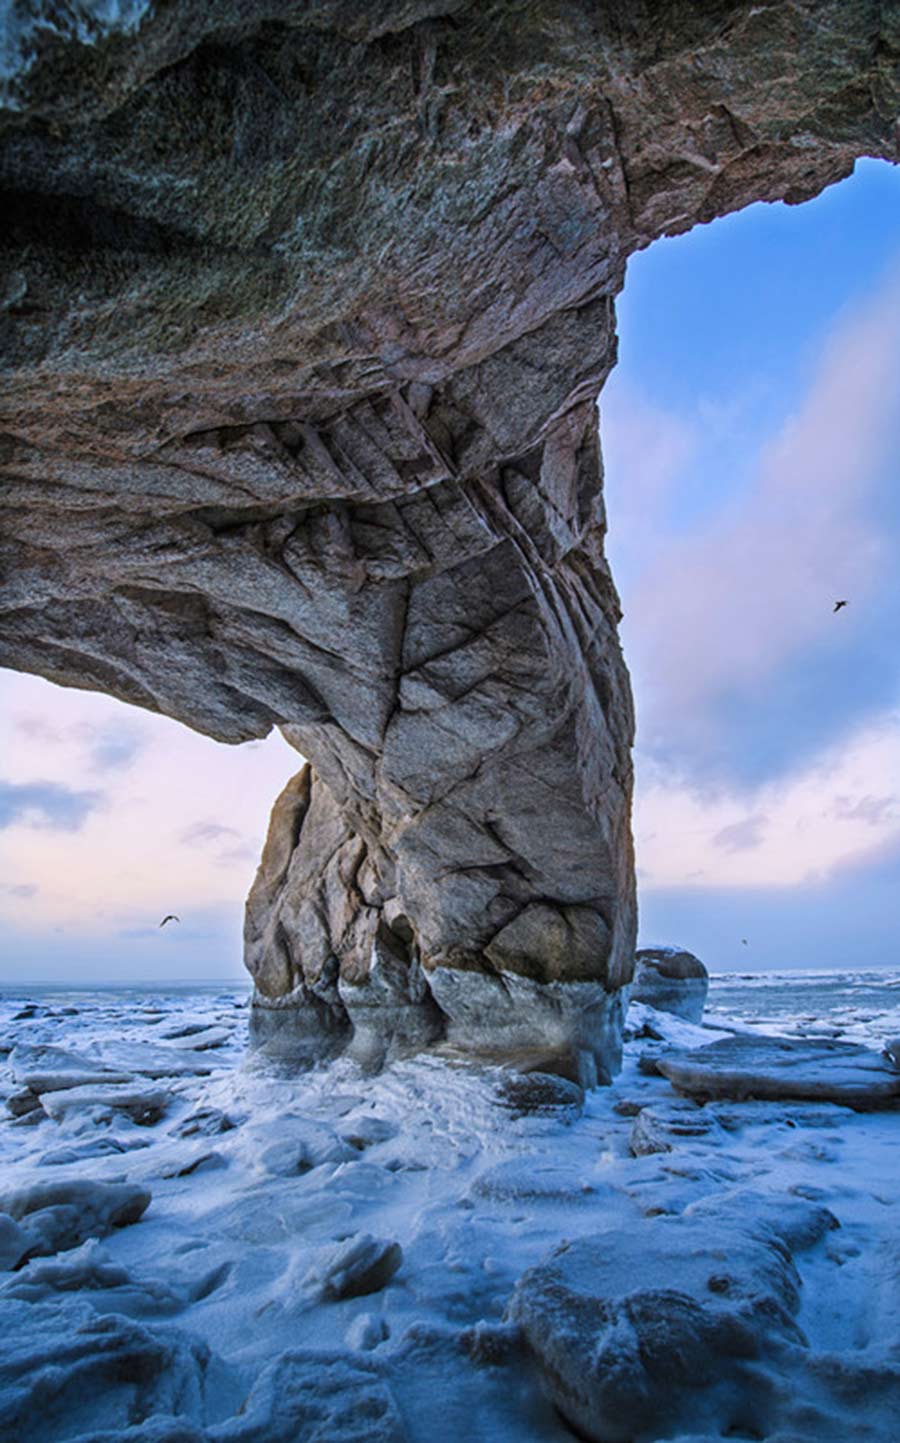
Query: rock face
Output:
(671,980)
(305,310)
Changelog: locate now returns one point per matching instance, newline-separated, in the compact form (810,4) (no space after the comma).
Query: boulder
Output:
(68,1372)
(15,1243)
(784,1069)
(353,1268)
(540,1094)
(205,1122)
(289,1145)
(671,980)
(669,1325)
(319,1397)
(664,1126)
(144,1105)
(20,1104)
(60,1215)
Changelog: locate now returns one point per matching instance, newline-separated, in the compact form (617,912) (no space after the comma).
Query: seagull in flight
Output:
(170,917)
(839,604)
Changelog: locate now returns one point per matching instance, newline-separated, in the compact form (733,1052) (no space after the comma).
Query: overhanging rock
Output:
(304,312)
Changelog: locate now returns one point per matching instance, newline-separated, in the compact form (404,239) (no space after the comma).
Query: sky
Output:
(751,435)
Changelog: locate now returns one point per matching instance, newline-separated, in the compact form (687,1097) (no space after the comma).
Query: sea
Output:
(859,1006)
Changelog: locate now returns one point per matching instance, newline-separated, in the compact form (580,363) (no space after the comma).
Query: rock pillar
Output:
(458,863)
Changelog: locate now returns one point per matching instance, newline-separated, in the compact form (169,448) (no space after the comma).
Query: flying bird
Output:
(839,604)
(744,942)
(170,917)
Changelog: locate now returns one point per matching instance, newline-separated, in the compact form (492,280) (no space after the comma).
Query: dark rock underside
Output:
(304,312)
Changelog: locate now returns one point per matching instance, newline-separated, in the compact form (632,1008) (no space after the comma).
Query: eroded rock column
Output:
(458,864)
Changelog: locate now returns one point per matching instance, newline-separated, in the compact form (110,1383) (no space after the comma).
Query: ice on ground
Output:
(232,1311)
(67,1371)
(50,1069)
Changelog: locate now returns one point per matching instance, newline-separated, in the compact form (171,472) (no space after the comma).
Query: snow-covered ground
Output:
(330,1256)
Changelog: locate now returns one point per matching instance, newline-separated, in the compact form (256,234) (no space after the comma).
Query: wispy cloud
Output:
(162,841)
(238,856)
(742,836)
(876,811)
(23,890)
(727,613)
(649,449)
(102,748)
(205,833)
(829,815)
(46,804)
(114,750)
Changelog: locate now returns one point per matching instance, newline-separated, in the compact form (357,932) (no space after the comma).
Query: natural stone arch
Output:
(305,313)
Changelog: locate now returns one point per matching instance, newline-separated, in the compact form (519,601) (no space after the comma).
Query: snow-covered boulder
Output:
(664,1126)
(671,980)
(670,1324)
(15,1243)
(341,1398)
(785,1068)
(100,1101)
(353,1268)
(67,1372)
(540,1094)
(61,1215)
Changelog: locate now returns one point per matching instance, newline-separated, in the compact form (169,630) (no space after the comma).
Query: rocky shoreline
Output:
(446,1248)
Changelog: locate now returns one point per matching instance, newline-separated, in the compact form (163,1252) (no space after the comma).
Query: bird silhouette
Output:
(839,604)
(170,917)
(744,942)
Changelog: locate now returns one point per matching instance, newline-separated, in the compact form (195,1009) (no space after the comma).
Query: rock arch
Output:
(305,311)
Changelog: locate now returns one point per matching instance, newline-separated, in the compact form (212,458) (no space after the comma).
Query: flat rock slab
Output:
(203,1040)
(665,1126)
(144,1105)
(785,1069)
(56,1216)
(53,1069)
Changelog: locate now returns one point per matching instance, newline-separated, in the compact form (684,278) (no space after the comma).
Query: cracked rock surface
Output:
(304,312)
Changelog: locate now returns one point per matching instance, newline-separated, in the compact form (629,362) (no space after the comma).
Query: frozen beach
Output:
(333,1256)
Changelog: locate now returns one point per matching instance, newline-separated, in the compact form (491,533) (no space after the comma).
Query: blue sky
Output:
(752,444)
(751,434)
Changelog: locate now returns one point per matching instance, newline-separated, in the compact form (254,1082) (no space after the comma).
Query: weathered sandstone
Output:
(304,312)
